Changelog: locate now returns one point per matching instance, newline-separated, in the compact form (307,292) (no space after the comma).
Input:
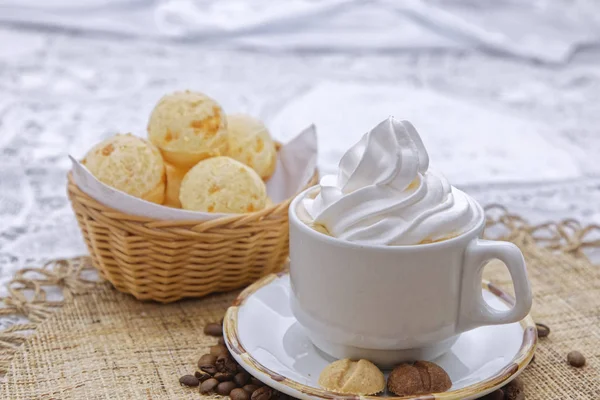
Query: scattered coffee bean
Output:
(239,394)
(256,382)
(207,359)
(495,395)
(208,385)
(218,349)
(250,388)
(514,390)
(226,364)
(189,380)
(221,341)
(576,359)
(224,376)
(202,376)
(241,378)
(208,368)
(224,388)
(213,330)
(262,393)
(542,330)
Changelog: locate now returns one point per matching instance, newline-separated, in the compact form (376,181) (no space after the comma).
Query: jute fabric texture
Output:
(98,343)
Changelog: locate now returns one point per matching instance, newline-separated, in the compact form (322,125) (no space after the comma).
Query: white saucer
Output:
(265,338)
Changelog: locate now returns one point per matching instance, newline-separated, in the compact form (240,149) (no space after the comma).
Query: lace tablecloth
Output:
(507,120)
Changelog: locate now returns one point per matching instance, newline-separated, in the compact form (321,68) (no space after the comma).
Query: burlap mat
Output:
(100,344)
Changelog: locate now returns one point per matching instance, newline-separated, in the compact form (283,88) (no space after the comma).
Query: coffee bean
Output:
(224,388)
(241,378)
(226,364)
(213,330)
(208,385)
(207,359)
(202,376)
(208,368)
(250,388)
(221,341)
(256,382)
(514,390)
(218,349)
(576,359)
(239,394)
(224,376)
(189,380)
(262,393)
(542,330)
(221,321)
(231,366)
(495,395)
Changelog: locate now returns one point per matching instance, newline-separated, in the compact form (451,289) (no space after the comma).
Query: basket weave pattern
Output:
(168,260)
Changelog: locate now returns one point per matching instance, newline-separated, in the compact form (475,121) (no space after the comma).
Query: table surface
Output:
(509,108)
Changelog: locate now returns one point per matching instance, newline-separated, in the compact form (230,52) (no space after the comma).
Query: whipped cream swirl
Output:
(385,193)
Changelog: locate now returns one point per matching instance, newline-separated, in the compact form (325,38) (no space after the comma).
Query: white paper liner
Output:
(296,164)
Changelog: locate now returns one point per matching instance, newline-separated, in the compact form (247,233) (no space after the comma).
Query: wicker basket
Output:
(169,260)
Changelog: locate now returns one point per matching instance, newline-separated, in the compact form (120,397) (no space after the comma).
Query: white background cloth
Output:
(506,95)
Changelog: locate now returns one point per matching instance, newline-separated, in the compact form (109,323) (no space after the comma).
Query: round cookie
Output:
(129,164)
(250,143)
(352,377)
(224,185)
(174,177)
(188,127)
(422,377)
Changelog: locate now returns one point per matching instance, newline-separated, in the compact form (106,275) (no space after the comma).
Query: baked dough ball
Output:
(174,177)
(222,184)
(129,164)
(250,143)
(352,377)
(188,127)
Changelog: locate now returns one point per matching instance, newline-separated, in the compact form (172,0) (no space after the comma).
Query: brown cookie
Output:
(422,377)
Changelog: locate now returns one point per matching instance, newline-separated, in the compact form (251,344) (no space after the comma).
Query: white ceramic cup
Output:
(390,304)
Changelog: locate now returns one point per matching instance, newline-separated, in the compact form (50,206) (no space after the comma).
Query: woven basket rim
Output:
(75,191)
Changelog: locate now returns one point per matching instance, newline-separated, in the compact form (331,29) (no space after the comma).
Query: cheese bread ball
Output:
(129,164)
(188,127)
(223,185)
(174,177)
(250,143)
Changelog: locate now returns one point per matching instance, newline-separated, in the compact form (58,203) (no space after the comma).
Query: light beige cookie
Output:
(188,127)
(129,164)
(250,143)
(224,185)
(174,177)
(352,377)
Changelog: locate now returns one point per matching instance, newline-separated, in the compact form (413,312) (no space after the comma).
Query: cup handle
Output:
(474,311)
